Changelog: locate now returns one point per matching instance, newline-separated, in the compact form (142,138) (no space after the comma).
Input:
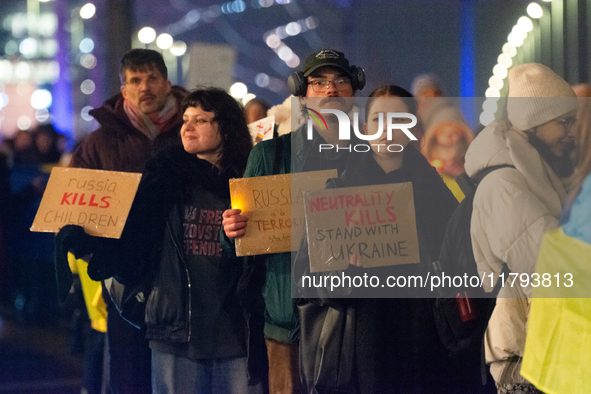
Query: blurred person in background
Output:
(515,206)
(434,108)
(445,148)
(5,286)
(255,109)
(30,253)
(143,118)
(22,148)
(47,144)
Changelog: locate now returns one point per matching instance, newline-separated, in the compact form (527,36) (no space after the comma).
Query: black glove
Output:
(69,238)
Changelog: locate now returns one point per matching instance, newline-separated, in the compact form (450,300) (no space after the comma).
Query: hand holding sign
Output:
(234,223)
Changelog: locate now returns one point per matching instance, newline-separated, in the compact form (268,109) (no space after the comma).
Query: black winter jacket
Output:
(148,254)
(149,238)
(150,248)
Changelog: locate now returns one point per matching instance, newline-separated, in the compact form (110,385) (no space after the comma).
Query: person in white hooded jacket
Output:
(514,206)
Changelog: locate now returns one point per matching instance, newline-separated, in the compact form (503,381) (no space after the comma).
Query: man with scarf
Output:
(142,119)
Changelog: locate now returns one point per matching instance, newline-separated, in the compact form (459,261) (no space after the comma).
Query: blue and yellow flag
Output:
(557,357)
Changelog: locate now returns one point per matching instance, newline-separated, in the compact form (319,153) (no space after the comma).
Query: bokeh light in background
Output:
(505,60)
(535,11)
(87,86)
(11,47)
(41,99)
(42,115)
(500,71)
(88,61)
(87,11)
(85,115)
(509,49)
(22,70)
(146,35)
(262,80)
(86,45)
(164,41)
(492,92)
(4,100)
(247,97)
(525,23)
(28,47)
(178,48)
(24,122)
(238,90)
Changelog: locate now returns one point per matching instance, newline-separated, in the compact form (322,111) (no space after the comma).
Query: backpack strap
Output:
(485,171)
(278,155)
(468,184)
(505,274)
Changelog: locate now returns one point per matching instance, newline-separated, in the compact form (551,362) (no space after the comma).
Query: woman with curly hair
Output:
(195,322)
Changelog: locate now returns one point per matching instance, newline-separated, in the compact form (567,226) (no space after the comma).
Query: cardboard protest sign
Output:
(97,200)
(376,223)
(262,129)
(274,206)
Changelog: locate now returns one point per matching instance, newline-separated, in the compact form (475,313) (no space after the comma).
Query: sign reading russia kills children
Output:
(374,223)
(97,200)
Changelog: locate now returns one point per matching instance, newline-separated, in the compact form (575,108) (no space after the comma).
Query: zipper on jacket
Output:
(188,278)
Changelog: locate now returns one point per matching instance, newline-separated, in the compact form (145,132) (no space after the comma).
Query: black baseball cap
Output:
(326,57)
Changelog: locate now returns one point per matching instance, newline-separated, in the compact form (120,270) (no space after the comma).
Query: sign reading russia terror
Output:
(376,223)
(97,200)
(274,206)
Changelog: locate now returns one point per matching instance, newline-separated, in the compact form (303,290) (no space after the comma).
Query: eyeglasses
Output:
(199,122)
(566,123)
(320,85)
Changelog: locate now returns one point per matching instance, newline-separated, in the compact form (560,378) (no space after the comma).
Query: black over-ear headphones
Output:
(298,83)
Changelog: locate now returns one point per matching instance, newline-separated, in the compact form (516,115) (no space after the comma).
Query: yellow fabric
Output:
(95,305)
(47,167)
(557,356)
(453,186)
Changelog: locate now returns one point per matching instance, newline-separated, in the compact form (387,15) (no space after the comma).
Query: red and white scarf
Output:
(143,123)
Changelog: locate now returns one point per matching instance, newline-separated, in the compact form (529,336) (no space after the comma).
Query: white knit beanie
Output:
(533,92)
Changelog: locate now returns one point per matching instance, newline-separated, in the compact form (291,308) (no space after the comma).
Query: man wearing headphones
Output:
(326,81)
